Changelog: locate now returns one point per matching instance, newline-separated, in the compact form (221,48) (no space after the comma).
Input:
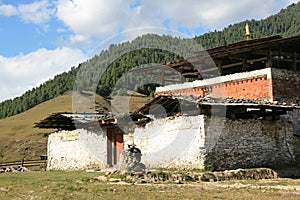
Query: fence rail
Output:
(24,163)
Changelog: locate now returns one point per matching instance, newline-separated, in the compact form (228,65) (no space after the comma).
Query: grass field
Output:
(17,133)
(82,185)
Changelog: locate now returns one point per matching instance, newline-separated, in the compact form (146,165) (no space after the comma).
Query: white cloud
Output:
(37,12)
(93,18)
(214,14)
(100,19)
(23,72)
(292,1)
(8,10)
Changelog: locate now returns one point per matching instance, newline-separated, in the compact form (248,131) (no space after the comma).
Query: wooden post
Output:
(162,77)
(245,65)
(269,59)
(181,78)
(294,61)
(220,68)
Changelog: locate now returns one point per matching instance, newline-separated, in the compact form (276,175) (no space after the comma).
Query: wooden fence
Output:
(25,163)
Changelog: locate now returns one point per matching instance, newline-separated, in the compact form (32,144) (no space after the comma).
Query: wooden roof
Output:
(272,51)
(71,121)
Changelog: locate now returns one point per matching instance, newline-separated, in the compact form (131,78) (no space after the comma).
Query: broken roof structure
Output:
(272,51)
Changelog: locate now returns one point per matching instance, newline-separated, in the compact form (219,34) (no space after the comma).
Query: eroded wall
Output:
(218,143)
(75,150)
(252,143)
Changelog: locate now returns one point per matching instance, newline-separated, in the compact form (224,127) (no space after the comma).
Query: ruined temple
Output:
(234,106)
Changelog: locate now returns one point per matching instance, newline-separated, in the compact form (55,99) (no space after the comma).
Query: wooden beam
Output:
(276,53)
(292,60)
(241,63)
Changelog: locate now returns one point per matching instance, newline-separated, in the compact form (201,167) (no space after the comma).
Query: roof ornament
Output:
(247,31)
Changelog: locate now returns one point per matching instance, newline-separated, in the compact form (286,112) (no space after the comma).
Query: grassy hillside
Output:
(18,132)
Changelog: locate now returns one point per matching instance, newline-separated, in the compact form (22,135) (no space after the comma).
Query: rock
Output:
(107,173)
(4,189)
(8,169)
(140,181)
(114,180)
(101,178)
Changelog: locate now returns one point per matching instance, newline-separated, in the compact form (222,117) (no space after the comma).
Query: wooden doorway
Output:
(115,146)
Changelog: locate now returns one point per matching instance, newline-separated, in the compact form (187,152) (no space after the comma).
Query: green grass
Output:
(81,185)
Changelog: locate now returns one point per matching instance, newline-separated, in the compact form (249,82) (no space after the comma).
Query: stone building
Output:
(83,140)
(240,113)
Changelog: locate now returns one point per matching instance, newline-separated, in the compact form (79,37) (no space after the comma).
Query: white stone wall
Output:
(75,150)
(185,142)
(200,141)
(172,142)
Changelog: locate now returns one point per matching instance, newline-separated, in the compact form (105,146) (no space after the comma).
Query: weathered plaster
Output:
(78,149)
(199,142)
(171,142)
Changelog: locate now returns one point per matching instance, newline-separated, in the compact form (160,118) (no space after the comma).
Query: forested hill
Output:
(285,23)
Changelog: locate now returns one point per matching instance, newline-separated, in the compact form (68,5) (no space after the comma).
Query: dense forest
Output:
(102,72)
(286,23)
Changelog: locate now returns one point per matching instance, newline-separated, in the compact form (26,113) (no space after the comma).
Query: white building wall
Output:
(200,142)
(172,142)
(78,149)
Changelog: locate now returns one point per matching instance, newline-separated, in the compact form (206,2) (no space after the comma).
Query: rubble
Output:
(13,169)
(182,177)
(131,161)
(229,100)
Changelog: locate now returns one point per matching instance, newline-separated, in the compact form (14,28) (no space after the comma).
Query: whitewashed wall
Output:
(172,142)
(75,150)
(199,142)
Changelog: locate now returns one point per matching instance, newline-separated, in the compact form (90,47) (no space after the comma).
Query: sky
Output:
(42,38)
